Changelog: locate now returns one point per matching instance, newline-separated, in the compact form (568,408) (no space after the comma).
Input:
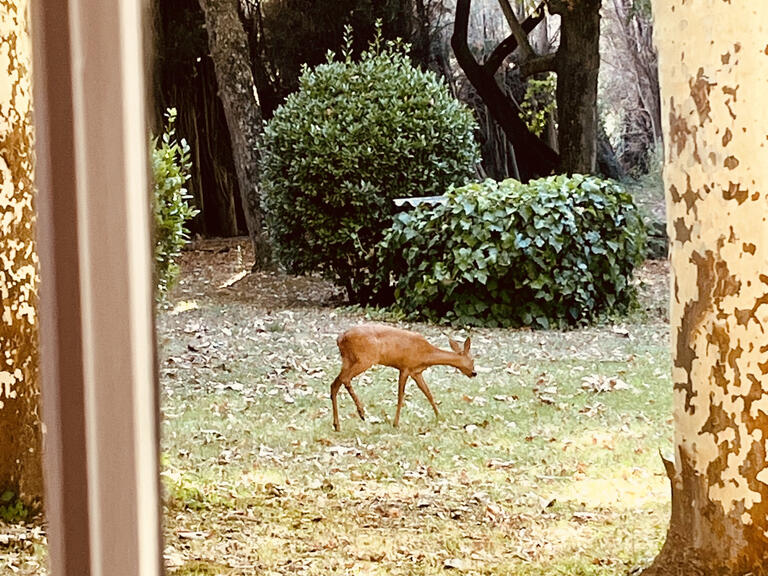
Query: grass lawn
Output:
(546,463)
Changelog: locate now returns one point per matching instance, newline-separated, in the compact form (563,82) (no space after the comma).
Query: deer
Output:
(366,345)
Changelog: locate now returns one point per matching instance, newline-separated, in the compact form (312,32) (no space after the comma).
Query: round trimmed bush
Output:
(557,251)
(354,137)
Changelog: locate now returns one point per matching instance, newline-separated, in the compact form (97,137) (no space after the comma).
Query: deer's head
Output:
(466,362)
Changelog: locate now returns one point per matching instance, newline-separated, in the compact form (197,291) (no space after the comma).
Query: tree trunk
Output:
(714,62)
(607,162)
(577,67)
(20,429)
(185,78)
(228,44)
(534,158)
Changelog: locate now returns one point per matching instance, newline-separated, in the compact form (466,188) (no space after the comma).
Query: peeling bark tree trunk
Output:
(714,65)
(577,66)
(20,429)
(228,44)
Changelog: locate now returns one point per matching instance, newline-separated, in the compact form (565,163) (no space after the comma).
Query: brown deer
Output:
(366,345)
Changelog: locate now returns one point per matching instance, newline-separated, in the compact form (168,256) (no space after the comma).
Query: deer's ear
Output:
(467,344)
(454,345)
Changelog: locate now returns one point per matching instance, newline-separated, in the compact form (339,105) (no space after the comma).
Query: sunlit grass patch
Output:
(197,568)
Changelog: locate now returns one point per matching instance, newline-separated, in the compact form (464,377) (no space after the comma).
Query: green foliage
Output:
(557,251)
(642,8)
(12,509)
(539,103)
(171,167)
(355,136)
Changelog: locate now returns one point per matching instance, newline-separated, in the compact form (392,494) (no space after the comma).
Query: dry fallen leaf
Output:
(387,510)
(173,558)
(593,409)
(192,534)
(234,279)
(598,383)
(513,368)
(494,513)
(619,331)
(370,555)
(455,564)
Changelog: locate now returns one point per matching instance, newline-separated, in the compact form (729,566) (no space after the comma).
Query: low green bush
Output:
(557,251)
(355,136)
(12,508)
(171,167)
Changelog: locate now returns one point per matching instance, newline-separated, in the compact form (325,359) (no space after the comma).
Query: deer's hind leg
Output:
(334,391)
(400,397)
(356,400)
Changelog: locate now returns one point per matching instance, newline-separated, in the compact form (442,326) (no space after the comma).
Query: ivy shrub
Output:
(171,167)
(356,135)
(554,252)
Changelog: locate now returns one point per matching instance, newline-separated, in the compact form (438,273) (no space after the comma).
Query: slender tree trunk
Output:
(228,44)
(577,67)
(20,429)
(714,65)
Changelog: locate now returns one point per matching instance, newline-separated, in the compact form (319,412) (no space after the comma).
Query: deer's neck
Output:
(438,357)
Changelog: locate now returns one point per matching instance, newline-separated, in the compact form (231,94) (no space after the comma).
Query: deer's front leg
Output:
(400,396)
(356,400)
(424,388)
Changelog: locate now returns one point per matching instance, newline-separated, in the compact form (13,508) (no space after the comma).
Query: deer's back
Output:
(381,344)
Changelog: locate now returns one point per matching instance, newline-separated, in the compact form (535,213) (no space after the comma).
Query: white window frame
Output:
(99,389)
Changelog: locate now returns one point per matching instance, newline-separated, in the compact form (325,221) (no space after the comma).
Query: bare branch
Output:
(517,30)
(507,46)
(539,64)
(510,42)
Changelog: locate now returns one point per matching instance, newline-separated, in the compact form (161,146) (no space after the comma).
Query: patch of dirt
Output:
(221,268)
